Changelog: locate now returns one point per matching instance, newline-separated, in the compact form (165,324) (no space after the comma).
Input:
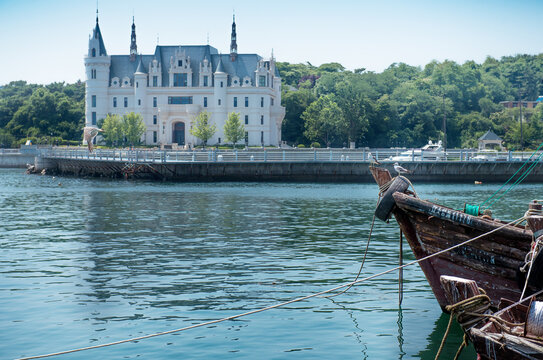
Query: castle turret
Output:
(220,83)
(97,64)
(140,88)
(233,41)
(133,46)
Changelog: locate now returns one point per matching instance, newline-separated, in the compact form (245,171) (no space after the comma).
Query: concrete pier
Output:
(289,171)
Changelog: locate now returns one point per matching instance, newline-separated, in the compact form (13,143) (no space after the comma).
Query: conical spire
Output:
(140,69)
(97,34)
(233,42)
(133,46)
(220,67)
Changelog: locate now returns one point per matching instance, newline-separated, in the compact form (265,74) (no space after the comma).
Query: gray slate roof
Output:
(244,65)
(141,68)
(490,135)
(97,34)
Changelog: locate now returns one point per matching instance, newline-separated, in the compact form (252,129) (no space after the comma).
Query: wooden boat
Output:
(514,332)
(493,261)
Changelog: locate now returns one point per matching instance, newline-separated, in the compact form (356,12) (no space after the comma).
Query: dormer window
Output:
(180,70)
(246,81)
(126,82)
(93,52)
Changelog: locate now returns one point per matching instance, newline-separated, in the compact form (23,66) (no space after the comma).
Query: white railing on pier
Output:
(282,155)
(9,151)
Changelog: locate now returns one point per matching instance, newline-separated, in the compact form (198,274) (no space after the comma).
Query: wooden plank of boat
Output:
(509,340)
(494,346)
(492,261)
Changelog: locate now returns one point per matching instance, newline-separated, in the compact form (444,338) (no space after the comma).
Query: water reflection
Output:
(401,352)
(112,259)
(454,339)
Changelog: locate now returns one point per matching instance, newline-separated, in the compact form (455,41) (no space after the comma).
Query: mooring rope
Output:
(521,178)
(478,304)
(482,302)
(533,253)
(365,253)
(275,305)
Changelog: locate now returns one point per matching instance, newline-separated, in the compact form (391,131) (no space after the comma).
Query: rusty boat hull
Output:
(493,261)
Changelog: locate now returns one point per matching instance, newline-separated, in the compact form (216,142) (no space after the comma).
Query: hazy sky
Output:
(43,41)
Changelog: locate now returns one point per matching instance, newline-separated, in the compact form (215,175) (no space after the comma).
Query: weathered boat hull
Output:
(512,333)
(493,261)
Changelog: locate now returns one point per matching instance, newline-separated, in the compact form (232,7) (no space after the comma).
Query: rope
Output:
(383,188)
(467,312)
(412,187)
(482,301)
(513,176)
(276,305)
(365,253)
(533,252)
(519,180)
(400,272)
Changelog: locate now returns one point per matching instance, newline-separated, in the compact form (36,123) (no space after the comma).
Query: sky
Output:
(44,41)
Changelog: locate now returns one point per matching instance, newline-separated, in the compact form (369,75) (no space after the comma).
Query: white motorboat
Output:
(430,151)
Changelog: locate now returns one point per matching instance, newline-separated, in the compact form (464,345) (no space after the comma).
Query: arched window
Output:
(93,52)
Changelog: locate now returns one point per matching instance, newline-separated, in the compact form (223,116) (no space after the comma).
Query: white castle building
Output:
(172,86)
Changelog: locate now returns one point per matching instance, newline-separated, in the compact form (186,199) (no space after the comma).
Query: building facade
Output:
(172,86)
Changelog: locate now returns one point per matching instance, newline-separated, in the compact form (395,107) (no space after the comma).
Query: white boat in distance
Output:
(430,151)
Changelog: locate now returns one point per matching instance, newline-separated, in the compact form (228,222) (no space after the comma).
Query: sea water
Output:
(87,261)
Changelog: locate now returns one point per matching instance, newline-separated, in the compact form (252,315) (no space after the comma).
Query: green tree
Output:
(324,121)
(6,139)
(355,108)
(234,130)
(295,103)
(133,128)
(203,129)
(113,130)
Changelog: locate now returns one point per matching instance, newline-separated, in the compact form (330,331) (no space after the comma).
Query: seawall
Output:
(294,171)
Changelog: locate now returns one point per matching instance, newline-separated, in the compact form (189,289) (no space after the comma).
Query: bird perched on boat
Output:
(399,169)
(89,133)
(373,159)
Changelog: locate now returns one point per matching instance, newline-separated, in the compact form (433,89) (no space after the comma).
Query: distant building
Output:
(172,86)
(526,104)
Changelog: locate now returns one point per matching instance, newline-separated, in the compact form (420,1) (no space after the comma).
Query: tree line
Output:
(328,105)
(406,105)
(50,114)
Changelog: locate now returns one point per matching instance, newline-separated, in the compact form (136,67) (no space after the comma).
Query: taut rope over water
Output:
(350,284)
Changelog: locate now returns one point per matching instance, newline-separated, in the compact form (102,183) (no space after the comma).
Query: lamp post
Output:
(521,133)
(444,124)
